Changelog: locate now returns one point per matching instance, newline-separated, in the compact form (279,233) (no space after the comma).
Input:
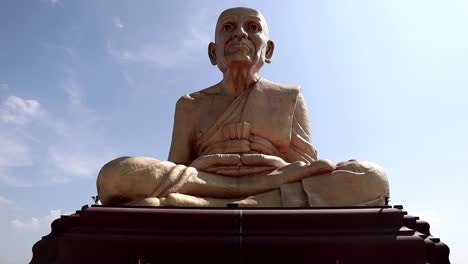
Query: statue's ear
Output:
(212,53)
(269,51)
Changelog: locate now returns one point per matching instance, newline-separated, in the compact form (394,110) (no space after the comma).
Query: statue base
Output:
(140,235)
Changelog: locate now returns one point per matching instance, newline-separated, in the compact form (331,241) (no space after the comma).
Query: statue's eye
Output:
(254,27)
(228,27)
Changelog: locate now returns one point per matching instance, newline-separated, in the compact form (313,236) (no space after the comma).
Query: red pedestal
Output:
(375,235)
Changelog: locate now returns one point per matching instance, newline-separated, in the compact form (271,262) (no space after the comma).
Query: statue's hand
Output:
(237,131)
(231,146)
(263,145)
(213,160)
(298,170)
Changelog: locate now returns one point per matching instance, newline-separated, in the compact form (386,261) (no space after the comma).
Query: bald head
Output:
(242,11)
(241,40)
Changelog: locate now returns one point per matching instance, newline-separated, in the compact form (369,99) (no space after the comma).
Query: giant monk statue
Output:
(245,140)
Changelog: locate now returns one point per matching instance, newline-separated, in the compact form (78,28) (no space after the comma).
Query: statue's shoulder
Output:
(193,100)
(268,86)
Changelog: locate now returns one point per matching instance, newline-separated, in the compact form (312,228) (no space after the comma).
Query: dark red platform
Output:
(376,235)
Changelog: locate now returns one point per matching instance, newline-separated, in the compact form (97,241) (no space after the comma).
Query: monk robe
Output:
(268,113)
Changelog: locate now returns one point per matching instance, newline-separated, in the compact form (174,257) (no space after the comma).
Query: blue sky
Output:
(83,82)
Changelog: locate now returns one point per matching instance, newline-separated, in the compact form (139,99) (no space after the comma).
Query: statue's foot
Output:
(151,201)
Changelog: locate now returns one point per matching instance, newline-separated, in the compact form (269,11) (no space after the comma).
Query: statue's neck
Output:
(235,82)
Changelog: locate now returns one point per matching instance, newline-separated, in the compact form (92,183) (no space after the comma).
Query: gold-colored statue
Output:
(244,140)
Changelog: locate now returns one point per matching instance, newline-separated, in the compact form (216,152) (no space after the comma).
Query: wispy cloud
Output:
(9,180)
(64,143)
(57,47)
(17,110)
(117,22)
(155,54)
(129,80)
(35,223)
(73,152)
(76,162)
(4,86)
(73,91)
(4,202)
(54,3)
(178,49)
(13,154)
(31,224)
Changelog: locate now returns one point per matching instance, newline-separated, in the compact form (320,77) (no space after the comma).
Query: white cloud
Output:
(35,223)
(61,146)
(117,22)
(4,202)
(31,224)
(17,110)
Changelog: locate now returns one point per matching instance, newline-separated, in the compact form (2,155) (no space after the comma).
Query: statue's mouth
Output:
(238,45)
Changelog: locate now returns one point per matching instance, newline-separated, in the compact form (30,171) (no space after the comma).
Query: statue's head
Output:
(241,38)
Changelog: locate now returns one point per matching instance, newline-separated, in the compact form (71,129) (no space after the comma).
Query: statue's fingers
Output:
(253,159)
(237,146)
(263,145)
(245,171)
(233,131)
(207,161)
(236,149)
(261,140)
(227,171)
(245,128)
(264,160)
(229,131)
(261,148)
(238,129)
(227,146)
(202,162)
(241,171)
(226,132)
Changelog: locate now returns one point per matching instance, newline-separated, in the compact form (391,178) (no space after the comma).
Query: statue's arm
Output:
(301,148)
(182,151)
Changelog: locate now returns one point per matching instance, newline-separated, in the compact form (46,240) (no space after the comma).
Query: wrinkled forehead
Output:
(241,12)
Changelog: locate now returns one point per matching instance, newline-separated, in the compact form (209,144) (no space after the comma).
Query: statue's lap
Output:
(133,181)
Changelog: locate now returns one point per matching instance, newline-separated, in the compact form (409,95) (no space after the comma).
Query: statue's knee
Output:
(375,176)
(127,179)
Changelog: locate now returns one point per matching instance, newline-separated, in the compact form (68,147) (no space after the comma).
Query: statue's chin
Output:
(239,59)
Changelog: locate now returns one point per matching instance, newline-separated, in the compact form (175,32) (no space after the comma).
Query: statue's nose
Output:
(240,33)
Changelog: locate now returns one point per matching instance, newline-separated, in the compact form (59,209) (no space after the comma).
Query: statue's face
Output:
(241,38)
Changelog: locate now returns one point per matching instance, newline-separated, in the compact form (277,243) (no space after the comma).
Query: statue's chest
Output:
(209,112)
